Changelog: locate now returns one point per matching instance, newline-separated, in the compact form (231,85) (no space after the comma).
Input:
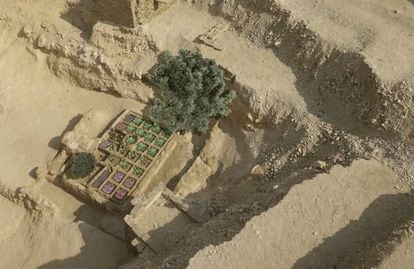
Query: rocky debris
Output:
(77,140)
(258,170)
(210,37)
(154,210)
(107,63)
(118,41)
(54,167)
(331,76)
(204,166)
(320,165)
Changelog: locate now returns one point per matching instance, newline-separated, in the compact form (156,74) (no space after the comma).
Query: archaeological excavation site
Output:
(206,134)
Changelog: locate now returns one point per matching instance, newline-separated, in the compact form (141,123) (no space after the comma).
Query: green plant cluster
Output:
(193,91)
(80,165)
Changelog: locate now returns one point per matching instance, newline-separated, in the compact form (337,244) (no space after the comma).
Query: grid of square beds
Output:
(129,150)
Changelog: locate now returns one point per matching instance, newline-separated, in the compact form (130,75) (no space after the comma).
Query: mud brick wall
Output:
(144,10)
(129,13)
(122,12)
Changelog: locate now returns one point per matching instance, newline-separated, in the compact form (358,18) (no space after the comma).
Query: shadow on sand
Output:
(55,142)
(100,249)
(82,17)
(365,242)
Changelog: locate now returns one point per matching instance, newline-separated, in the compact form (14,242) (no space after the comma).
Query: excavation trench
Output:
(304,108)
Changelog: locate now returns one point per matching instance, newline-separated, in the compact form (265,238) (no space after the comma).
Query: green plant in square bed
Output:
(138,171)
(160,142)
(124,165)
(115,136)
(123,149)
(156,129)
(140,132)
(130,129)
(145,161)
(130,140)
(133,155)
(149,137)
(137,121)
(148,125)
(142,146)
(152,152)
(113,146)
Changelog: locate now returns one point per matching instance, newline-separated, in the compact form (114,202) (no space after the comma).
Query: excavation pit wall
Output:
(228,210)
(328,76)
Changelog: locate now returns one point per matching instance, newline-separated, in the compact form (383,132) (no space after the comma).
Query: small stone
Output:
(320,165)
(257,170)
(41,41)
(27,31)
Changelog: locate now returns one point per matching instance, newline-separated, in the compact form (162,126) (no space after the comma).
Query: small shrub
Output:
(80,165)
(192,92)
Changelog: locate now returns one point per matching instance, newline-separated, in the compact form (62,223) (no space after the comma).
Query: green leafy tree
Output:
(80,165)
(192,89)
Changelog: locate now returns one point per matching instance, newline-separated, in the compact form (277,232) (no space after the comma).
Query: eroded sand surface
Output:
(313,169)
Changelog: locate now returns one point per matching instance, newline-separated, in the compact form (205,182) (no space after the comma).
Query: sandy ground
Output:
(36,109)
(32,241)
(313,78)
(43,101)
(336,220)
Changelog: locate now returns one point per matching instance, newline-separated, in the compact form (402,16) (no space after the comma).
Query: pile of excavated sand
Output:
(279,183)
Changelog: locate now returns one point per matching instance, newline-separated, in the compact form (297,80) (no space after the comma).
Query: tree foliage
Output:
(80,165)
(192,92)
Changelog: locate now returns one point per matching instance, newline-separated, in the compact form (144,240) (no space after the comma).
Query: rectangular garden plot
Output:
(129,149)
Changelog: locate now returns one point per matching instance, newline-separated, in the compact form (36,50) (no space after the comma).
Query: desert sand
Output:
(314,167)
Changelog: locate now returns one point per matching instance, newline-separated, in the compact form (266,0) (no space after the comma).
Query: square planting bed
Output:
(152,152)
(142,146)
(147,125)
(129,118)
(108,187)
(124,165)
(149,137)
(104,145)
(131,140)
(145,161)
(133,155)
(121,127)
(113,147)
(129,182)
(130,129)
(137,121)
(120,194)
(156,129)
(159,142)
(140,132)
(123,150)
(118,176)
(138,171)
